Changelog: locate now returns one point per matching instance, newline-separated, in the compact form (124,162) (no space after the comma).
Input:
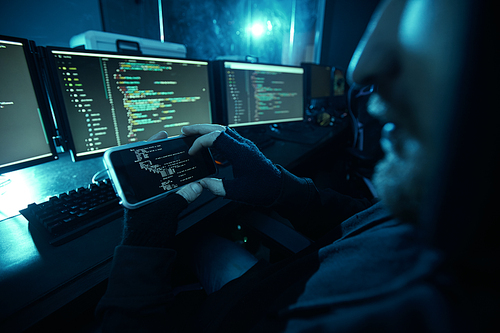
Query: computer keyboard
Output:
(72,214)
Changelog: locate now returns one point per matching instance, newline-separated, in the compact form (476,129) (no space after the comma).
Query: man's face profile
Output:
(412,51)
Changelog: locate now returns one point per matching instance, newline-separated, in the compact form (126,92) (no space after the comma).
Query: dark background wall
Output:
(344,25)
(49,22)
(54,22)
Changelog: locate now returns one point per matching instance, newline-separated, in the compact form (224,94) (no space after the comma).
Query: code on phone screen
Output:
(171,166)
(147,171)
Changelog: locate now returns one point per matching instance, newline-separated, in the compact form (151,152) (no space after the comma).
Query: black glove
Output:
(257,181)
(155,224)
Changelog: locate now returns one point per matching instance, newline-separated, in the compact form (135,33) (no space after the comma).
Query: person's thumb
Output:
(190,192)
(214,185)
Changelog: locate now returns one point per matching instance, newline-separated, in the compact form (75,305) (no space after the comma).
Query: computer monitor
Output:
(317,85)
(26,128)
(258,94)
(108,99)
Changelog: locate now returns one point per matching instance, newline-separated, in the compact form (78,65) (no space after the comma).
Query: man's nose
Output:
(376,58)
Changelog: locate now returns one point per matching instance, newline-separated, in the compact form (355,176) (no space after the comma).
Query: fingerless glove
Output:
(257,181)
(155,224)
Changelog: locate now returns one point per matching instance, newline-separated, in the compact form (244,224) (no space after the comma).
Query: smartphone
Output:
(143,172)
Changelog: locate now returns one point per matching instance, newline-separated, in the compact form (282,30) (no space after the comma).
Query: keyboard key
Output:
(74,213)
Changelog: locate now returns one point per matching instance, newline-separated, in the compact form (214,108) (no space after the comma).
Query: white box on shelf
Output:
(107,41)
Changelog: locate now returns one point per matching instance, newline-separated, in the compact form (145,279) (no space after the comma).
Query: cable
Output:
(353,118)
(363,91)
(96,178)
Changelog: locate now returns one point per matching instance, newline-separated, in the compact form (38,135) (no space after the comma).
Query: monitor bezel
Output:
(222,104)
(58,98)
(34,68)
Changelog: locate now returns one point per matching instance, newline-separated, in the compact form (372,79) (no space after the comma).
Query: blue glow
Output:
(17,248)
(16,194)
(257,29)
(414,22)
(269,26)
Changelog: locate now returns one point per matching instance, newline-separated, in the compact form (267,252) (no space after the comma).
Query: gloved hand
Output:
(155,224)
(257,181)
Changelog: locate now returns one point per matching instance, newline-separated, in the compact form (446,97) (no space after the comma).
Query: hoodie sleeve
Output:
(311,211)
(139,290)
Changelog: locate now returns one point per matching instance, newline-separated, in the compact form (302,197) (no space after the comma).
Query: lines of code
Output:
(174,169)
(256,96)
(112,99)
(147,98)
(269,94)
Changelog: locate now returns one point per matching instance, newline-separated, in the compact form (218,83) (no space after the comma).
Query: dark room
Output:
(249,166)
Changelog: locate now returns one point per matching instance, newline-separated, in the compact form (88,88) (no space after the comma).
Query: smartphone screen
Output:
(145,172)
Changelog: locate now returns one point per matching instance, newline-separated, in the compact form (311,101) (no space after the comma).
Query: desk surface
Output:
(36,278)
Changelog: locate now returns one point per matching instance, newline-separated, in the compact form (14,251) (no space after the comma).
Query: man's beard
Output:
(400,183)
(400,177)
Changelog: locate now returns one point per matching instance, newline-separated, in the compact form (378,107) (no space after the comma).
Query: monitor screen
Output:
(320,81)
(26,129)
(110,99)
(317,83)
(257,94)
